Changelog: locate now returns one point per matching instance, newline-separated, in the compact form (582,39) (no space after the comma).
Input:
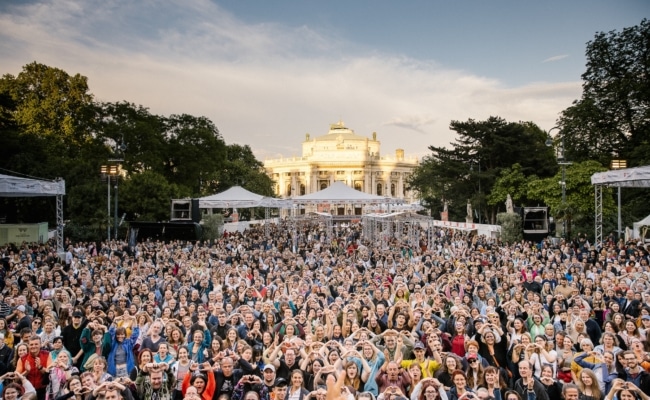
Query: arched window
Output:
(392,189)
(302,189)
(323,186)
(288,194)
(379,189)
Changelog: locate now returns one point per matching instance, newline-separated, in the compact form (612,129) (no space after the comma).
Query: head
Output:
(570,391)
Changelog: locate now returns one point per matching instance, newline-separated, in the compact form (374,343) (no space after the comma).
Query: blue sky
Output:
(267,72)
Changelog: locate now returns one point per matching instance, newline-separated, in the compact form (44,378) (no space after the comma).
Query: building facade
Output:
(342,155)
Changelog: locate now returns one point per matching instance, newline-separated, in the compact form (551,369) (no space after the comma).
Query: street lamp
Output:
(619,164)
(563,162)
(471,168)
(118,154)
(108,172)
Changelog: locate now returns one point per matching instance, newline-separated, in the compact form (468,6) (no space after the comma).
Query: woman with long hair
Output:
(144,357)
(120,359)
(588,385)
(630,331)
(551,385)
(450,363)
(179,369)
(296,389)
(429,390)
(60,372)
(475,373)
(20,351)
(8,335)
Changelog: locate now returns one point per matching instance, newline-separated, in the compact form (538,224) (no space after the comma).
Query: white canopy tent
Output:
(339,192)
(638,177)
(13,186)
(238,197)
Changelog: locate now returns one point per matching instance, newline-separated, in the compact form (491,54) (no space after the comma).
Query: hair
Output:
(512,392)
(425,386)
(494,370)
(567,386)
(13,385)
(595,388)
(356,381)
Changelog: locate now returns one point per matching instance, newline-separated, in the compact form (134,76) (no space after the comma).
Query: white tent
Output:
(238,197)
(13,186)
(339,192)
(636,227)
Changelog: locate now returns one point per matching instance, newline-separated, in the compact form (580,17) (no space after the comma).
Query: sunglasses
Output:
(472,361)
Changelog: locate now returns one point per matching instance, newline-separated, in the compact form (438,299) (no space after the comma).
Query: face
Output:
(22,350)
(296,379)
(571,394)
(156,379)
(460,381)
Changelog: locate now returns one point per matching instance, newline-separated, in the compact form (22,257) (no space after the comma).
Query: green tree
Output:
(612,117)
(511,181)
(470,168)
(147,196)
(195,154)
(579,207)
(243,169)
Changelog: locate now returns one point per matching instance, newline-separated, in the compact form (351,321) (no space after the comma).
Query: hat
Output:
(281,382)
(20,308)
(419,345)
(77,314)
(472,357)
(479,319)
(269,366)
(646,317)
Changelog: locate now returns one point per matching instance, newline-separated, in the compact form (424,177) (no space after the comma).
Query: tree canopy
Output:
(51,126)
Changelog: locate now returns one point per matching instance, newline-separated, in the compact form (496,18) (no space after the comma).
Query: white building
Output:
(342,155)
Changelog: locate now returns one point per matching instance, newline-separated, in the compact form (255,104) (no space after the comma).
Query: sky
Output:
(268,72)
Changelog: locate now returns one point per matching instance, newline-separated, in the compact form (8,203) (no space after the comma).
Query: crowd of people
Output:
(311,314)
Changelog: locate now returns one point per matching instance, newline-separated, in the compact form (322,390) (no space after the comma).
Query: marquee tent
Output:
(638,225)
(238,197)
(339,192)
(638,177)
(13,186)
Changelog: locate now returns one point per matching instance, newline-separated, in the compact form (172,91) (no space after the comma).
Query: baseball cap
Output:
(419,345)
(21,308)
(77,314)
(269,366)
(646,317)
(472,357)
(281,382)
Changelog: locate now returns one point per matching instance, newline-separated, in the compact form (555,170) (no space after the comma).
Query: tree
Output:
(243,169)
(579,207)
(147,196)
(195,154)
(470,168)
(612,117)
(511,181)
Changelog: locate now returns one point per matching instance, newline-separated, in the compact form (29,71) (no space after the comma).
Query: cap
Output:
(281,382)
(479,319)
(269,366)
(419,345)
(21,308)
(472,357)
(646,317)
(77,314)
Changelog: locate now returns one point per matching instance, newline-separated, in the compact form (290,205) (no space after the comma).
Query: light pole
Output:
(619,164)
(118,153)
(563,162)
(108,172)
(471,168)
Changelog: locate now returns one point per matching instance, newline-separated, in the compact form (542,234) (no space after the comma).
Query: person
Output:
(392,376)
(604,369)
(95,341)
(622,390)
(634,373)
(296,389)
(459,390)
(34,365)
(280,388)
(527,383)
(588,385)
(227,377)
(60,372)
(202,379)
(121,356)
(71,335)
(155,387)
(570,392)
(20,388)
(180,368)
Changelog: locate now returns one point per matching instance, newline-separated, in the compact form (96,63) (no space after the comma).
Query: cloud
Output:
(413,122)
(556,58)
(265,85)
